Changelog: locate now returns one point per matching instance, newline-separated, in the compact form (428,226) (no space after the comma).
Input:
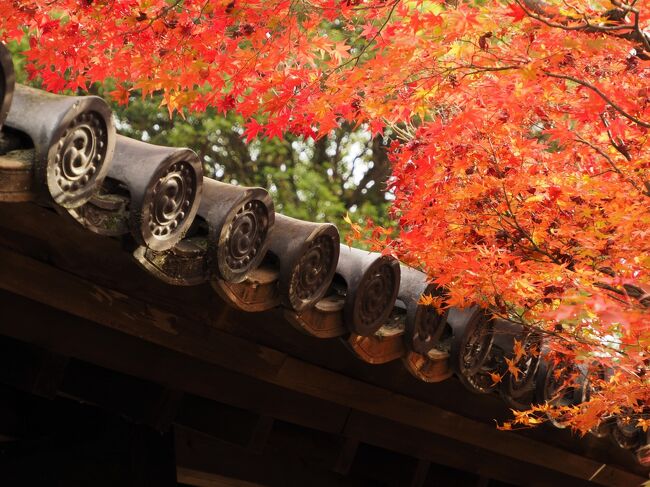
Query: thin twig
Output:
(610,161)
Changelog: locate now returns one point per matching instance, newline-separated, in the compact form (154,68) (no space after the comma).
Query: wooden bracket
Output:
(433,367)
(384,346)
(324,320)
(16,176)
(258,292)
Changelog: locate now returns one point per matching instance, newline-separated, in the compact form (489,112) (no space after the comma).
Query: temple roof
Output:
(101,199)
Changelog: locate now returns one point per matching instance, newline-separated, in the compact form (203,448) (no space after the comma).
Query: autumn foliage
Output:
(521,159)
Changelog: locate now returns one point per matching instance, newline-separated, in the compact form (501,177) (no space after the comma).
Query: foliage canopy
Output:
(521,158)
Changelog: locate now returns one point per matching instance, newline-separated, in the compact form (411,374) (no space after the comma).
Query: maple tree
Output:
(520,155)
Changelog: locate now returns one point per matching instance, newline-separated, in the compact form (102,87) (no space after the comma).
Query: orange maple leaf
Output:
(512,368)
(496,377)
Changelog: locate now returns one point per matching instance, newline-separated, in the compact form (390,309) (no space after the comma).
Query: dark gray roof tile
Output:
(73,139)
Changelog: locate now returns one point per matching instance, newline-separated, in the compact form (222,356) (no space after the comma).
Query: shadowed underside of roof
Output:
(62,152)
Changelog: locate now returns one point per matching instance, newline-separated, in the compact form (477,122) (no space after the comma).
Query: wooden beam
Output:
(420,473)
(131,397)
(153,458)
(261,433)
(50,375)
(120,312)
(36,371)
(134,317)
(275,466)
(227,423)
(207,416)
(10,424)
(166,409)
(387,466)
(67,443)
(249,430)
(346,456)
(198,478)
(439,450)
(32,322)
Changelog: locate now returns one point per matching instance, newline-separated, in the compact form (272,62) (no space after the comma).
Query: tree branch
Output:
(597,90)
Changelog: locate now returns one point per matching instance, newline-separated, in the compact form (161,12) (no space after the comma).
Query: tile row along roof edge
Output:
(186,229)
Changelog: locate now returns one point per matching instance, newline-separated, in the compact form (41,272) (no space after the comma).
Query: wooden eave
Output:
(79,295)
